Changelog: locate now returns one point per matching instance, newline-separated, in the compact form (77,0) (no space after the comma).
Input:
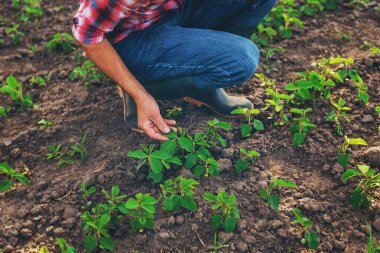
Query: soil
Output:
(51,206)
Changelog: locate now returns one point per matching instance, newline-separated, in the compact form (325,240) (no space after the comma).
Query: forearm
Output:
(107,59)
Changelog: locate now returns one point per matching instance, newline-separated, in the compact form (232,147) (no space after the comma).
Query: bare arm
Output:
(149,118)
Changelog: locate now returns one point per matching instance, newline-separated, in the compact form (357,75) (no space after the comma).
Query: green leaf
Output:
(263,194)
(155,165)
(284,183)
(230,224)
(274,201)
(305,94)
(239,111)
(210,197)
(167,204)
(216,221)
(5,185)
(343,159)
(246,130)
(348,174)
(357,141)
(160,154)
(258,125)
(312,239)
(107,243)
(104,220)
(186,144)
(241,166)
(358,200)
(299,138)
(137,154)
(190,204)
(191,160)
(22,178)
(90,243)
(169,146)
(132,204)
(115,191)
(198,171)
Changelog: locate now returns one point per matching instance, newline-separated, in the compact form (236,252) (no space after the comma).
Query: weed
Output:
(62,41)
(227,210)
(246,157)
(14,89)
(179,193)
(39,80)
(12,177)
(65,248)
(274,199)
(15,34)
(278,102)
(174,112)
(371,247)
(301,125)
(44,123)
(343,156)
(339,116)
(213,137)
(369,182)
(246,129)
(311,236)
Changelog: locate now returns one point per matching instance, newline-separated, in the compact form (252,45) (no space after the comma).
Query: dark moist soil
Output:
(51,206)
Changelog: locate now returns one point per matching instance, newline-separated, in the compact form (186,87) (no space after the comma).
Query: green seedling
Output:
(278,102)
(301,125)
(15,34)
(178,193)
(362,94)
(327,64)
(311,236)
(274,199)
(265,81)
(4,111)
(285,30)
(11,177)
(77,151)
(101,219)
(87,192)
(61,41)
(158,159)
(14,88)
(368,184)
(344,37)
(372,247)
(360,3)
(270,52)
(374,50)
(207,165)
(89,72)
(39,80)
(264,35)
(377,108)
(43,249)
(141,209)
(246,129)
(213,137)
(343,156)
(64,247)
(246,158)
(339,116)
(174,112)
(44,123)
(218,245)
(227,214)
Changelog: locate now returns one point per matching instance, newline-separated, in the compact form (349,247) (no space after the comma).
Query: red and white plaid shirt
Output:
(115,19)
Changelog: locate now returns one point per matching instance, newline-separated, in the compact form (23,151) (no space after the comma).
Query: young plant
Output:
(178,193)
(274,199)
(15,34)
(362,94)
(141,209)
(339,116)
(246,129)
(87,193)
(64,247)
(213,137)
(246,158)
(39,80)
(11,177)
(301,125)
(278,102)
(369,183)
(372,247)
(4,111)
(62,41)
(377,108)
(285,30)
(207,165)
(89,72)
(311,236)
(218,245)
(174,112)
(44,123)
(227,214)
(14,89)
(343,156)
(265,81)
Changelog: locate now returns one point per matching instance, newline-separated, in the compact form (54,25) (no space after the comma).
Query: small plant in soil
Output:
(141,209)
(327,64)
(277,102)
(101,219)
(369,182)
(362,94)
(15,34)
(178,193)
(14,89)
(285,30)
(264,35)
(213,136)
(64,247)
(4,111)
(37,80)
(174,112)
(301,125)
(61,41)
(274,199)
(44,123)
(87,192)
(339,116)
(372,247)
(227,213)
(311,236)
(374,50)
(89,72)
(246,157)
(217,245)
(377,108)
(343,156)
(246,129)
(207,165)
(265,81)
(11,177)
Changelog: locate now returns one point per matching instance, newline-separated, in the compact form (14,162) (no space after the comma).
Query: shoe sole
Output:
(200,104)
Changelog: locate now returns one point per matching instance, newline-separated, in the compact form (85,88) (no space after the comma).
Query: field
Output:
(64,136)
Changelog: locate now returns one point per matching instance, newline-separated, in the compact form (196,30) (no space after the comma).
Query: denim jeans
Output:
(207,40)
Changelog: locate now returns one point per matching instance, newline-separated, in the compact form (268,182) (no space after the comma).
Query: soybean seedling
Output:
(213,137)
(339,116)
(377,108)
(246,129)
(174,112)
(274,199)
(4,111)
(246,158)
(227,211)
(191,145)
(285,30)
(343,156)
(89,72)
(178,193)
(11,177)
(278,103)
(301,125)
(326,66)
(64,247)
(372,247)
(62,41)
(207,165)
(15,34)
(39,80)
(44,123)
(87,192)
(362,94)
(218,245)
(311,236)
(14,88)
(265,81)
(369,183)
(141,209)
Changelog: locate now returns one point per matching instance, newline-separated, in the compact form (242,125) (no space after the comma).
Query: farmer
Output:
(169,49)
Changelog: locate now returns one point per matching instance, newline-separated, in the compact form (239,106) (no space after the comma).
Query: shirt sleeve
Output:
(95,18)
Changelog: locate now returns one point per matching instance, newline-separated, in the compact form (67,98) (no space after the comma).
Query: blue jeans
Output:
(199,40)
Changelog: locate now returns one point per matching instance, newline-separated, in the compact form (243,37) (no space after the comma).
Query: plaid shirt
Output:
(115,19)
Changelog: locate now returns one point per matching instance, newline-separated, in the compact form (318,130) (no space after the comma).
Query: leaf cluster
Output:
(11,177)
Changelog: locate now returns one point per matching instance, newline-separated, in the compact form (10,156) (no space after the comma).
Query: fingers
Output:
(170,121)
(154,134)
(161,124)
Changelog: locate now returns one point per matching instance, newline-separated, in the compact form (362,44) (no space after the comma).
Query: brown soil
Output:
(51,206)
